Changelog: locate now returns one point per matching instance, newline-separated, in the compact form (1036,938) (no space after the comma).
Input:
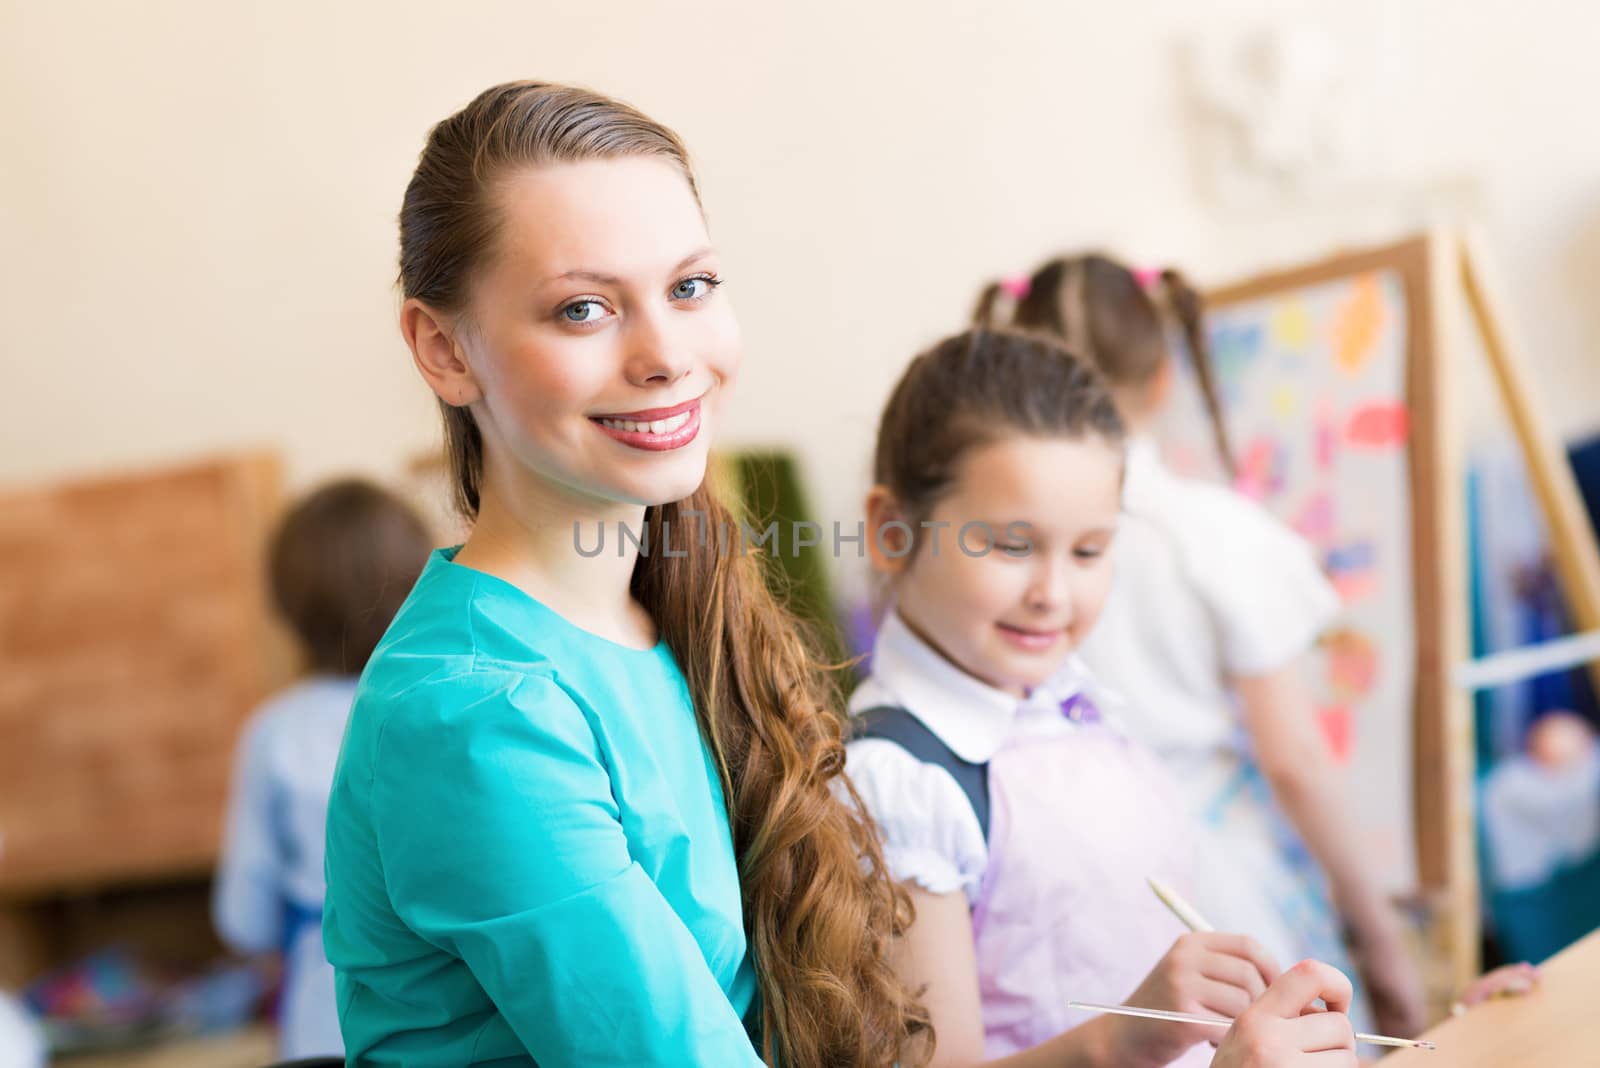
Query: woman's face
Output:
(600,346)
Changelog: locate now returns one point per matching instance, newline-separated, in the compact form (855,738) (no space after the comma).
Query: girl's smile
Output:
(1031,640)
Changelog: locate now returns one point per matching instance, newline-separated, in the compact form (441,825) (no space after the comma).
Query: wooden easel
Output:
(1573,551)
(1572,542)
(1450,288)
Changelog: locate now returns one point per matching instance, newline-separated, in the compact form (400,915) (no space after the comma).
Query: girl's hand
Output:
(1510,981)
(1284,1028)
(1206,973)
(1392,981)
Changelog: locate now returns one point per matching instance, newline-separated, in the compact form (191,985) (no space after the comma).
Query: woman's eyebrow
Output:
(581,274)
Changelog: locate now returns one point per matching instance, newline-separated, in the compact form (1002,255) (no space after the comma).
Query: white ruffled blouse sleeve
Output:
(930,834)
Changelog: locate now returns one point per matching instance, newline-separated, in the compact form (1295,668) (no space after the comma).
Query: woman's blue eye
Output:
(583,311)
(691,289)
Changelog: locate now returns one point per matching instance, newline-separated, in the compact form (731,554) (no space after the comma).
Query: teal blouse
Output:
(529,860)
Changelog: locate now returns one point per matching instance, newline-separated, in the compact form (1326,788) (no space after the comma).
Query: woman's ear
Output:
(890,535)
(431,336)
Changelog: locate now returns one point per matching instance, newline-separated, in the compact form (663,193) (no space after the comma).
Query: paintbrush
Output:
(1192,919)
(1217,1021)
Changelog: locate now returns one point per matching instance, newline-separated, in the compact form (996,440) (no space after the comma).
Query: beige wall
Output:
(197,201)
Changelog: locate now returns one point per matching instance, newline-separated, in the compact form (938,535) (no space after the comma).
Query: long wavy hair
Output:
(820,908)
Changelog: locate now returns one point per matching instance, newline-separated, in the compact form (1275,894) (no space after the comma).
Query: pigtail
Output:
(1003,301)
(1188,310)
(995,306)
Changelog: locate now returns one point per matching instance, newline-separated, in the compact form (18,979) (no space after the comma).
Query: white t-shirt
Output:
(1209,586)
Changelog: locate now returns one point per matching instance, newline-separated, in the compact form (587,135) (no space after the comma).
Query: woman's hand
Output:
(1284,1029)
(1205,973)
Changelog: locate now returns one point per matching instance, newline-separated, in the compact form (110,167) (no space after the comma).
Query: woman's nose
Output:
(654,355)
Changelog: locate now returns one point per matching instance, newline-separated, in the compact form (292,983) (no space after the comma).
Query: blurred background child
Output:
(341,562)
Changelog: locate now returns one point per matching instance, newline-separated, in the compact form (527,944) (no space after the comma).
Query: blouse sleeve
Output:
(1262,584)
(247,897)
(502,844)
(930,834)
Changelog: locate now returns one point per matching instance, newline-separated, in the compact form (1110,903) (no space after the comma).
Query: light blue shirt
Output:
(529,858)
(269,885)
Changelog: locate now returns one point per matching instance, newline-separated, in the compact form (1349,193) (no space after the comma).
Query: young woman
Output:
(583,812)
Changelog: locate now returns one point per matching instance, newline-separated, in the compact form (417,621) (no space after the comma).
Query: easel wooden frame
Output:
(1446,276)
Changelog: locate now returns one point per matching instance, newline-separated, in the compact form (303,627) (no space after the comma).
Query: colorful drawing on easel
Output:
(1261,469)
(1379,425)
(1352,567)
(1359,326)
(1291,328)
(1352,661)
(1316,375)
(1314,521)
(1335,724)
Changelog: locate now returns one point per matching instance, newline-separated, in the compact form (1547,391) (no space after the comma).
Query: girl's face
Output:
(599,346)
(1011,618)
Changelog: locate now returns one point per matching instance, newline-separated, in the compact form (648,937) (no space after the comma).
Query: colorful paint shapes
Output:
(1291,328)
(1234,347)
(1325,436)
(1358,326)
(1378,425)
(1352,568)
(1314,521)
(1336,730)
(1285,402)
(1261,469)
(1352,662)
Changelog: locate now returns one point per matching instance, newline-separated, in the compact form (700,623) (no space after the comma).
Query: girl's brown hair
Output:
(1099,308)
(819,907)
(975,388)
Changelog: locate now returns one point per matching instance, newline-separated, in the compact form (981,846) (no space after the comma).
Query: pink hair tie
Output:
(1147,277)
(1017,286)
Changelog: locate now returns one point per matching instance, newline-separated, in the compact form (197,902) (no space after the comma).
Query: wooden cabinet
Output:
(134,641)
